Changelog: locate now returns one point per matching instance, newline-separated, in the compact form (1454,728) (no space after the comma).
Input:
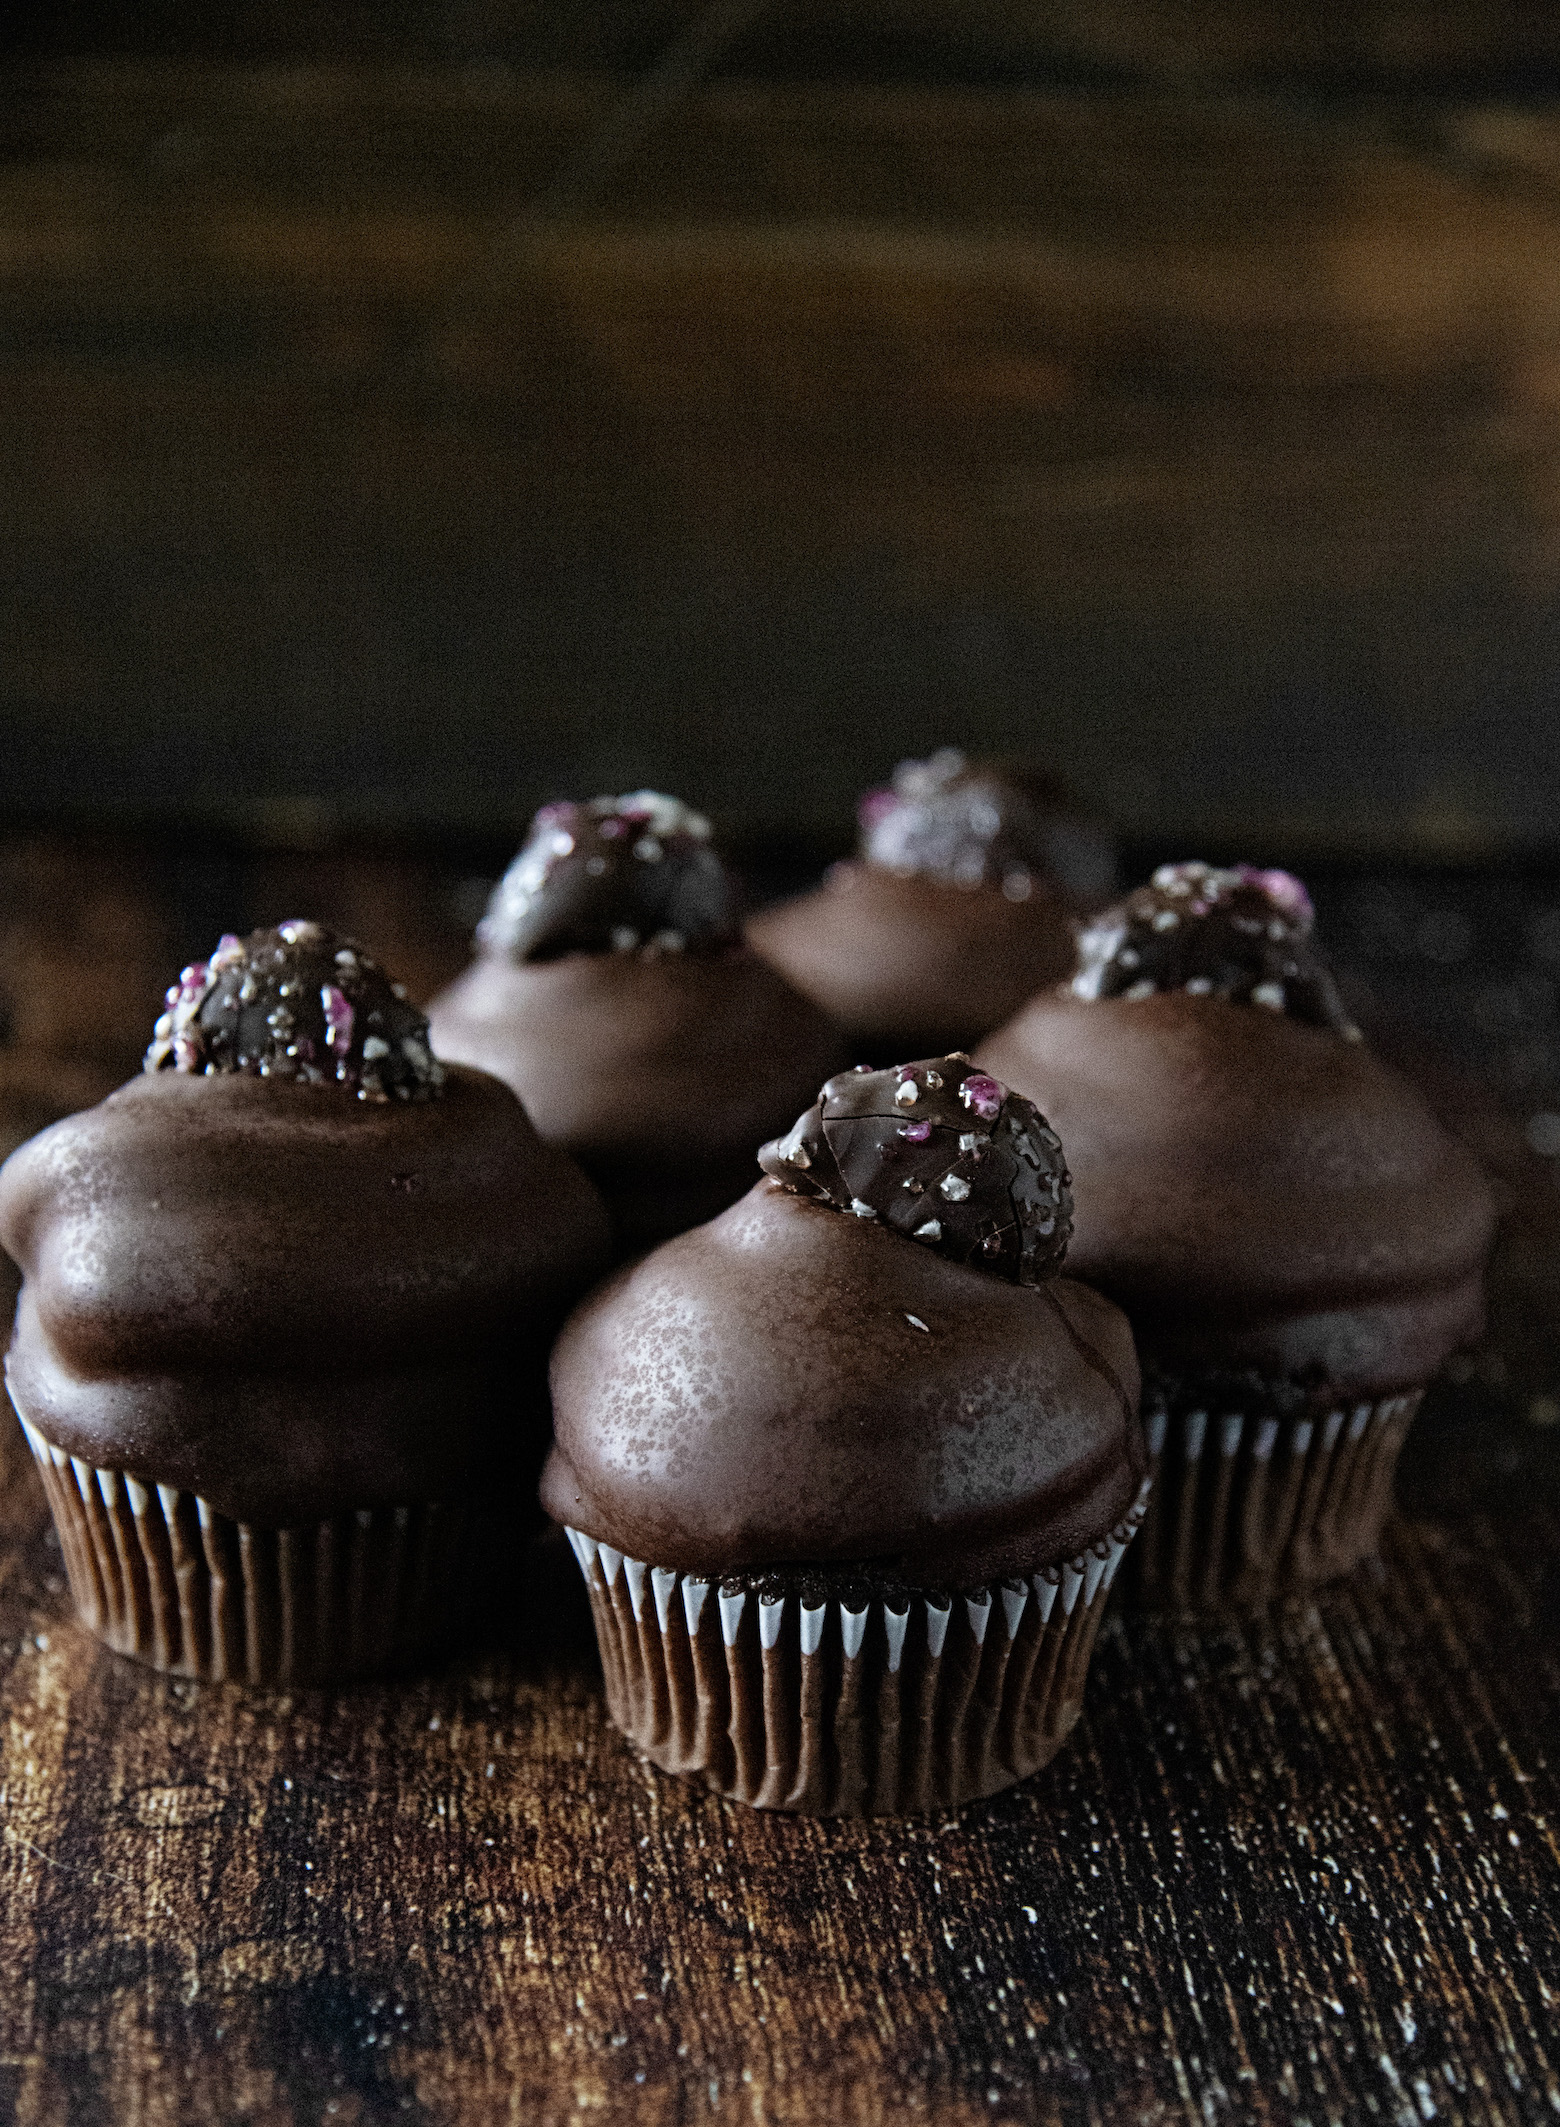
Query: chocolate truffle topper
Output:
(984,823)
(939,1152)
(297,1002)
(634,874)
(866,1394)
(1240,933)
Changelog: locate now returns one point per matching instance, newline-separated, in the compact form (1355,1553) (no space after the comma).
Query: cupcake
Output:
(849,1470)
(612,991)
(286,1305)
(958,907)
(1297,1241)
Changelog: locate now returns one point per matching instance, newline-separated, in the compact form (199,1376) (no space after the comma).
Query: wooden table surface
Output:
(1302,1869)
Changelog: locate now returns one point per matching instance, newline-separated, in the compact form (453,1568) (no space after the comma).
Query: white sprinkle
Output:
(968,1141)
(933,1080)
(669,941)
(931,1231)
(1017,886)
(954,1187)
(1277,930)
(1138,992)
(375,1047)
(1200,986)
(908,1094)
(915,1322)
(862,1211)
(1166,920)
(1270,994)
(648,850)
(595,866)
(624,938)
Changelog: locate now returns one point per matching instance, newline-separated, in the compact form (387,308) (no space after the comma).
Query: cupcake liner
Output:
(1248,1506)
(834,1711)
(160,1575)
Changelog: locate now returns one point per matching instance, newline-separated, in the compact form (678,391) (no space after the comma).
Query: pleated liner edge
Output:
(159,1575)
(837,1712)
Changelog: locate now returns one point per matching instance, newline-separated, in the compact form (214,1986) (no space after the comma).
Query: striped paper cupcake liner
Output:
(159,1575)
(1248,1507)
(847,1712)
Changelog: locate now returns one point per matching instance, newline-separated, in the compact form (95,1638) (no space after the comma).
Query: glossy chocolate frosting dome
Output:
(790,1385)
(1256,1191)
(289,1301)
(662,1076)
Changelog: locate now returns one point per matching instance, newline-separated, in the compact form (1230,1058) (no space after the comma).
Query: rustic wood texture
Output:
(829,419)
(1304,1869)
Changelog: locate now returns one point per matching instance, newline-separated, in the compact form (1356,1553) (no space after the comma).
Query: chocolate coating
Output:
(629,874)
(662,1077)
(915,966)
(290,1302)
(788,1387)
(297,1002)
(959,907)
(1256,1192)
(941,1153)
(1243,934)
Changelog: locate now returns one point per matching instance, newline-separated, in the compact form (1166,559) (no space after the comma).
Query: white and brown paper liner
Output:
(839,1712)
(160,1575)
(1248,1507)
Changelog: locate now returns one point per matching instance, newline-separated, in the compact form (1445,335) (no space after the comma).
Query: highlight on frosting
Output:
(1239,933)
(939,1152)
(632,874)
(984,824)
(297,1002)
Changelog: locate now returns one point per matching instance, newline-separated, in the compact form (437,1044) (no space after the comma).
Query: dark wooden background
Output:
(406,412)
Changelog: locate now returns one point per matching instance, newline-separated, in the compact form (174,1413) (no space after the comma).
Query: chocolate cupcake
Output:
(959,905)
(612,991)
(1298,1242)
(850,1469)
(282,1336)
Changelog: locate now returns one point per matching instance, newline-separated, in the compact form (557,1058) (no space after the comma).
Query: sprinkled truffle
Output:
(984,824)
(297,1002)
(1241,934)
(634,874)
(944,1155)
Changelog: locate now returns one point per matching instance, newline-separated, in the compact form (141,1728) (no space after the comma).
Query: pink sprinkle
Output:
(985,1095)
(917,1133)
(549,815)
(193,982)
(904,1071)
(338,1019)
(613,827)
(1282,888)
(875,805)
(186,1053)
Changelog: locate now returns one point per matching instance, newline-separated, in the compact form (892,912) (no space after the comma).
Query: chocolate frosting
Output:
(914,966)
(939,1152)
(1243,934)
(788,1387)
(297,1002)
(661,1076)
(984,823)
(1254,1191)
(622,875)
(291,1302)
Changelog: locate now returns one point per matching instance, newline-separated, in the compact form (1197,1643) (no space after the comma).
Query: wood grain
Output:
(1085,409)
